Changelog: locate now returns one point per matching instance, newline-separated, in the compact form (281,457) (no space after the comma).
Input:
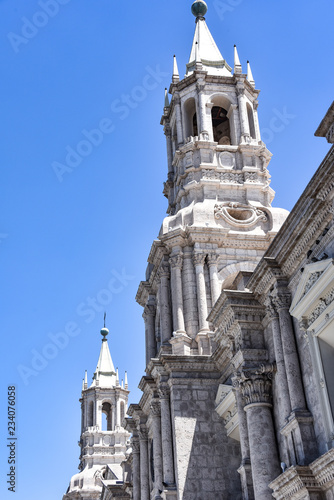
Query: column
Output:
(157,445)
(177,296)
(199,259)
(149,318)
(166,437)
(256,121)
(189,293)
(214,278)
(282,302)
(281,384)
(144,477)
(201,108)
(245,134)
(165,306)
(168,132)
(179,132)
(135,467)
(232,115)
(256,390)
(118,411)
(245,469)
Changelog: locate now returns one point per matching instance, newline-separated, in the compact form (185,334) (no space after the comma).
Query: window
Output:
(220,126)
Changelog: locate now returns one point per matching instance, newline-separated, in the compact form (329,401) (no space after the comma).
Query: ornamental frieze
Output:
(239,215)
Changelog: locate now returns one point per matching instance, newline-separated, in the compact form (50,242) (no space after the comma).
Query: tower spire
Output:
(250,75)
(176,74)
(237,64)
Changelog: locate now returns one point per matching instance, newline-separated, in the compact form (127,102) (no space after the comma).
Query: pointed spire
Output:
(117,378)
(86,380)
(126,380)
(83,384)
(105,374)
(122,384)
(237,64)
(176,74)
(166,99)
(250,75)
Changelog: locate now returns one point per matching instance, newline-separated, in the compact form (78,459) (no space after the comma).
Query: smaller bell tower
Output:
(103,441)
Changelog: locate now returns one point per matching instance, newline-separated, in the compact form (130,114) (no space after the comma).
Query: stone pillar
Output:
(177,296)
(149,318)
(165,306)
(201,116)
(282,302)
(179,132)
(189,293)
(118,411)
(281,382)
(256,121)
(157,445)
(144,468)
(214,279)
(166,436)
(232,115)
(245,134)
(256,390)
(199,259)
(136,468)
(245,469)
(168,132)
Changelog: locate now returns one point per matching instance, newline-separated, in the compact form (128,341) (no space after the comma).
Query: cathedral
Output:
(238,303)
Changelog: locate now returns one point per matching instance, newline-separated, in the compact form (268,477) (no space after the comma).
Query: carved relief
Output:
(238,214)
(227,159)
(176,261)
(310,282)
(322,305)
(256,388)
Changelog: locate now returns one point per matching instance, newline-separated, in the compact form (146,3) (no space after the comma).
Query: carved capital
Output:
(167,130)
(270,308)
(199,258)
(155,408)
(282,300)
(240,91)
(256,387)
(176,261)
(164,392)
(149,310)
(177,98)
(200,86)
(143,433)
(213,259)
(164,270)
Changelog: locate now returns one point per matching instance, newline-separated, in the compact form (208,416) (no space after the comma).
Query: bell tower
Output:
(103,441)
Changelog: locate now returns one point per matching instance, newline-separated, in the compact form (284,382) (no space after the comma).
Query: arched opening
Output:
(251,121)
(122,409)
(106,417)
(220,125)
(91,414)
(190,118)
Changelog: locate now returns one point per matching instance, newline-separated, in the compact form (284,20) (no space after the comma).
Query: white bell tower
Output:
(103,447)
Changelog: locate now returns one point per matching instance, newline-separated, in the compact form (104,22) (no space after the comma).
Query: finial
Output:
(117,377)
(237,64)
(86,381)
(122,384)
(166,99)
(83,384)
(104,332)
(250,75)
(126,380)
(176,75)
(199,9)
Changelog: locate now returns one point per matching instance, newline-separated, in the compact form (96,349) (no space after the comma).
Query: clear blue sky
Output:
(62,244)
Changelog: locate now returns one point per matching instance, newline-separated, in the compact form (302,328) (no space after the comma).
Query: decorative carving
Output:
(199,258)
(322,305)
(282,300)
(251,177)
(227,159)
(149,310)
(238,214)
(310,282)
(135,446)
(155,408)
(176,261)
(256,388)
(143,432)
(213,259)
(270,308)
(164,392)
(164,270)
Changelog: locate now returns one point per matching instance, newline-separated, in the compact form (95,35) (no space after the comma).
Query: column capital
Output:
(164,270)
(167,130)
(149,310)
(200,86)
(199,258)
(176,261)
(164,392)
(177,98)
(256,386)
(270,308)
(213,259)
(281,300)
(135,445)
(240,91)
(143,432)
(155,408)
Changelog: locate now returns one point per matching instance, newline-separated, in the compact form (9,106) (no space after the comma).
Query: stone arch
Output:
(221,126)
(107,411)
(228,273)
(190,118)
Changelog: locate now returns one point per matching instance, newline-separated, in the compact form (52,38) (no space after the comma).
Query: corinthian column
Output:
(166,436)
(177,296)
(165,306)
(256,390)
(199,259)
(144,477)
(149,318)
(201,108)
(214,279)
(189,293)
(168,133)
(157,445)
(282,302)
(177,101)
(136,468)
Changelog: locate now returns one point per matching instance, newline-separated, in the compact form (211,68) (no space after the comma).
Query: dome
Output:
(199,8)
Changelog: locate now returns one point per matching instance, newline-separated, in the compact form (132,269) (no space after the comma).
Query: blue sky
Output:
(74,241)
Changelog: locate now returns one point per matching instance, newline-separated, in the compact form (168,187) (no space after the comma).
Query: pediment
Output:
(317,279)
